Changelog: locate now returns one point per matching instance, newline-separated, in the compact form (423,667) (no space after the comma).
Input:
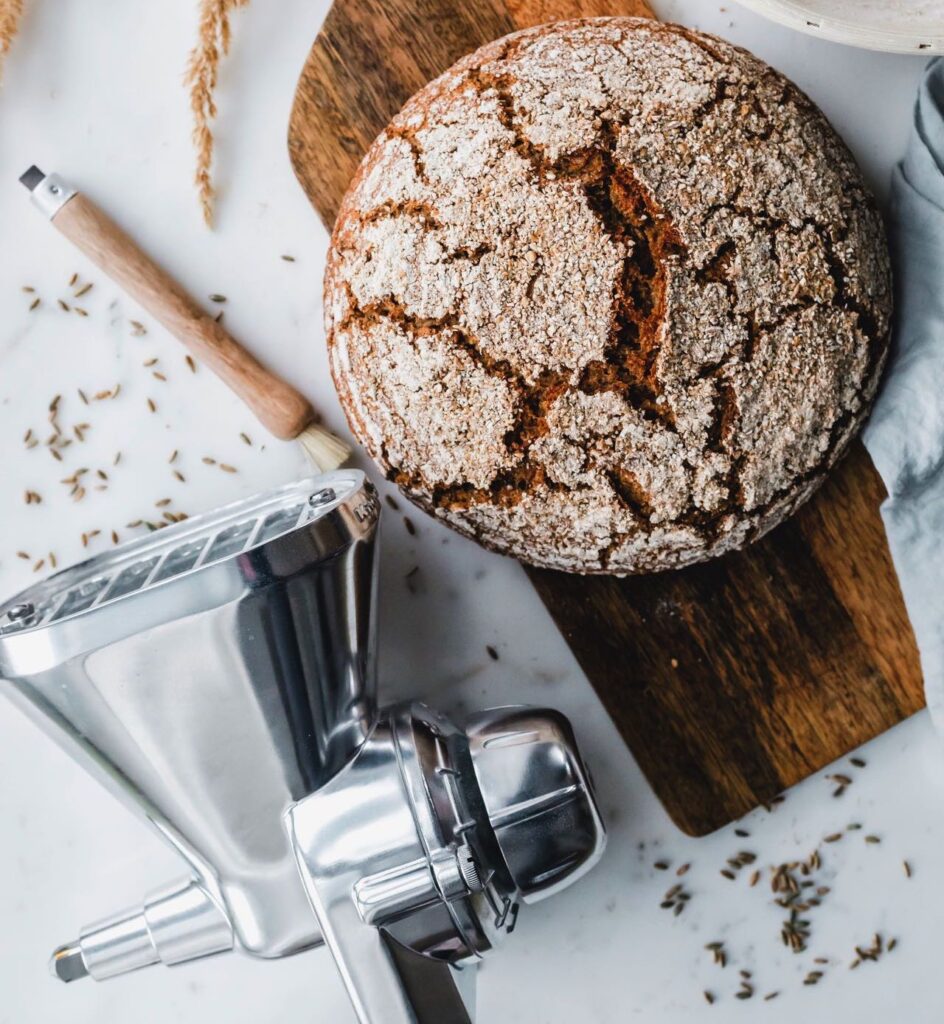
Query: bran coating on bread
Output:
(609,296)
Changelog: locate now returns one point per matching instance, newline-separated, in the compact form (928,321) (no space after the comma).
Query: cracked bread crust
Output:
(609,296)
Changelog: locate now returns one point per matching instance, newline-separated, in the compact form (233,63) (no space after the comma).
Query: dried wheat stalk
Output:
(214,39)
(10,13)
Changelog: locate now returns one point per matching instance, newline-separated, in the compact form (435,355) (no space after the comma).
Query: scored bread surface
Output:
(608,296)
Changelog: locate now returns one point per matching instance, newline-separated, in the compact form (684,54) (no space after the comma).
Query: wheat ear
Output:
(10,13)
(214,35)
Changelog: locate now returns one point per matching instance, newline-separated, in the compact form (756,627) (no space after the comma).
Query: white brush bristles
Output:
(325,451)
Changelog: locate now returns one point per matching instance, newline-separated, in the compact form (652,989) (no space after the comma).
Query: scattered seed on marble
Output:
(857,761)
(228,468)
(216,297)
(907,868)
(410,528)
(392,502)
(34,304)
(492,653)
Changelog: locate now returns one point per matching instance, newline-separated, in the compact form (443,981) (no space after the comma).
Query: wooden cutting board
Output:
(729,681)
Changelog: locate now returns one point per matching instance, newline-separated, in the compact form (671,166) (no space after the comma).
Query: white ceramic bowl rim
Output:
(894,32)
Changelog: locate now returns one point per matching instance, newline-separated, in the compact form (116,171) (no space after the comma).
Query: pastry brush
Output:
(279,407)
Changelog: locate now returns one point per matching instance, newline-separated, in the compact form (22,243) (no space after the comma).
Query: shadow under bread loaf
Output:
(608,296)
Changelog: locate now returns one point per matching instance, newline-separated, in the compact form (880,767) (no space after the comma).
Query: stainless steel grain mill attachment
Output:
(219,675)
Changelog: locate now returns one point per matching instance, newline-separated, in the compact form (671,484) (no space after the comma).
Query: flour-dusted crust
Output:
(608,296)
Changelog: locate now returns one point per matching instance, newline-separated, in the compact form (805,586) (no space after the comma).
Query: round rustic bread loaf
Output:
(609,296)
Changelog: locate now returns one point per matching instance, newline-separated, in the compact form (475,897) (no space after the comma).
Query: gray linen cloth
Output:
(905,435)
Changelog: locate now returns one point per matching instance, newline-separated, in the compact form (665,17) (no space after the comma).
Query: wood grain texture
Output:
(281,409)
(731,680)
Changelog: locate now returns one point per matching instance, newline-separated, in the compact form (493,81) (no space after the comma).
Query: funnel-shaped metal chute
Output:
(212,674)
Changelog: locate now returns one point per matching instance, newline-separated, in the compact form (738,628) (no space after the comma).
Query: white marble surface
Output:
(93,89)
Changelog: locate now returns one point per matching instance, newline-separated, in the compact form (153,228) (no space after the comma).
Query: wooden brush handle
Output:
(276,404)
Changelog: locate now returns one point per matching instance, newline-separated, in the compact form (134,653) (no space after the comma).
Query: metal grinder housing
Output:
(220,677)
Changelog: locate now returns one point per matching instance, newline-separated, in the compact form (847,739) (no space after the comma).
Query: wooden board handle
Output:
(276,404)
